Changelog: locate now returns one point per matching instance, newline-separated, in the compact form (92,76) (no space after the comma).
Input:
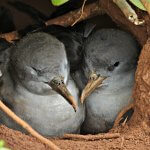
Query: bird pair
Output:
(36,81)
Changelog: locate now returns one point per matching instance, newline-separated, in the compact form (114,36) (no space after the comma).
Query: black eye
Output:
(37,71)
(112,67)
(116,64)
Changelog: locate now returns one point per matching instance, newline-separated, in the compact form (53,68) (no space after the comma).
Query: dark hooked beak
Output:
(60,87)
(93,82)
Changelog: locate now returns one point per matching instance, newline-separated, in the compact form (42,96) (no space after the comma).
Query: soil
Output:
(132,138)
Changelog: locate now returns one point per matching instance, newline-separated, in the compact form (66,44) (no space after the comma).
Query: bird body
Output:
(104,104)
(108,68)
(50,114)
(36,61)
(72,41)
(4,54)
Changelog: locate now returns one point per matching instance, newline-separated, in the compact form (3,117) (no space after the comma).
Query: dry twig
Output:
(122,112)
(91,137)
(27,127)
(100,7)
(124,122)
(82,9)
(10,36)
(69,18)
(122,142)
(65,20)
(129,13)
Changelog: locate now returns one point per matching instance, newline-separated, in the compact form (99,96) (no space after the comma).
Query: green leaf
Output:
(4,148)
(2,143)
(138,4)
(58,2)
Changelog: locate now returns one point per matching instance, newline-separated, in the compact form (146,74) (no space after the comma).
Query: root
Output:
(65,20)
(122,142)
(91,10)
(27,127)
(78,15)
(124,122)
(10,36)
(129,13)
(82,11)
(91,137)
(122,112)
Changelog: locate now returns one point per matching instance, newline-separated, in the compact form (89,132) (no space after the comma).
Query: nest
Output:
(139,125)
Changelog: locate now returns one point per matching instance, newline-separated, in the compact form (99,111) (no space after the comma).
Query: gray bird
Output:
(107,76)
(36,85)
(4,54)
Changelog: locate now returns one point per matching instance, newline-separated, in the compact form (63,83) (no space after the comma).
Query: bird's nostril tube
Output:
(93,76)
(59,82)
(62,82)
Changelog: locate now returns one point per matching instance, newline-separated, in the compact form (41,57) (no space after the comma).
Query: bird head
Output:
(107,53)
(39,63)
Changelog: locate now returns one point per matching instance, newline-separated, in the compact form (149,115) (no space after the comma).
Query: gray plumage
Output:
(113,54)
(34,62)
(4,54)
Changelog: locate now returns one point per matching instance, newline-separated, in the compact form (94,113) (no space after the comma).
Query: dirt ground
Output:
(130,138)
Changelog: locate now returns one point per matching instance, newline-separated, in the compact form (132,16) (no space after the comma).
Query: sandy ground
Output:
(133,138)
